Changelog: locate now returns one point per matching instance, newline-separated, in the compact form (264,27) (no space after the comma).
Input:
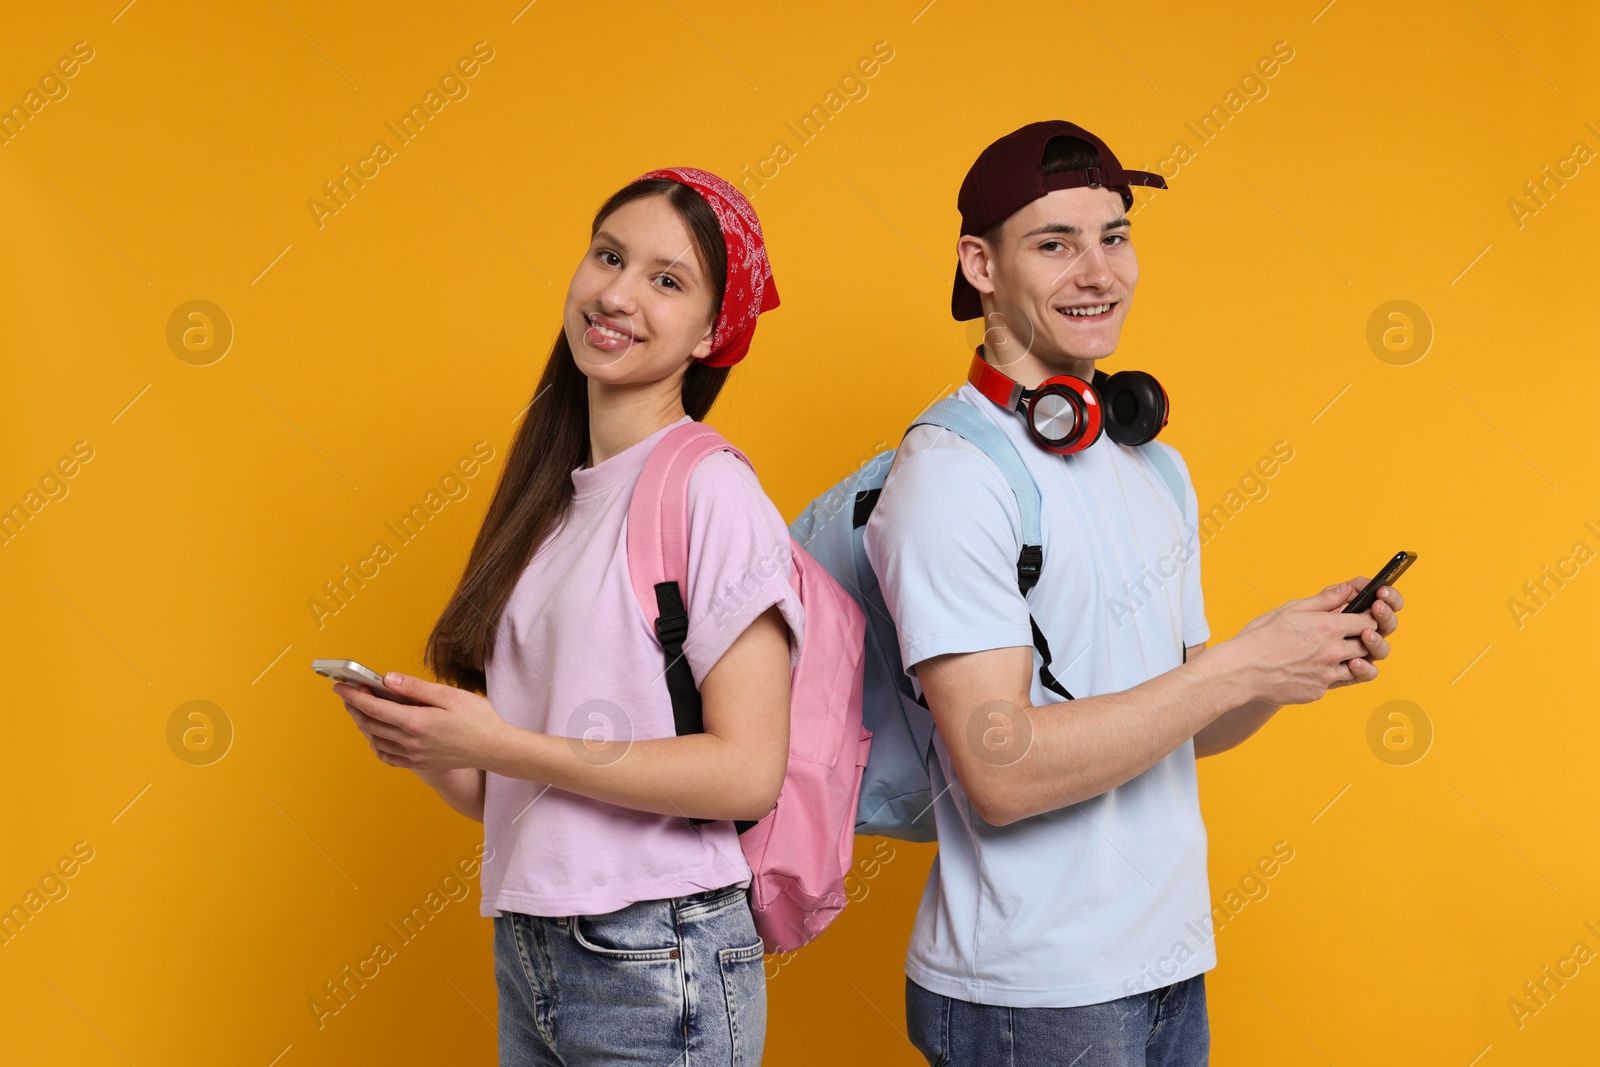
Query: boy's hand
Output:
(1383,612)
(1294,653)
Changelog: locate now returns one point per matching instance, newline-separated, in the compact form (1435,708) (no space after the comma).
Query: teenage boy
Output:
(1066,919)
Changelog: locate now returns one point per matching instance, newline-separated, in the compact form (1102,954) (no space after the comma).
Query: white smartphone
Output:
(348,670)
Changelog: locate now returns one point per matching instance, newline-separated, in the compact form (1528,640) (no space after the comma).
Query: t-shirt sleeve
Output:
(739,562)
(943,541)
(1195,628)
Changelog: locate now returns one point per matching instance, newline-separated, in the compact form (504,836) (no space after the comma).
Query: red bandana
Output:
(750,289)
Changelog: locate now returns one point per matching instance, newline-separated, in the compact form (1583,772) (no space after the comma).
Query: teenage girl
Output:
(622,928)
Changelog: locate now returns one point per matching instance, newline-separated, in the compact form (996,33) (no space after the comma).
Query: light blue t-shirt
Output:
(1108,897)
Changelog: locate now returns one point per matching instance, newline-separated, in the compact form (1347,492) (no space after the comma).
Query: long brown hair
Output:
(535,488)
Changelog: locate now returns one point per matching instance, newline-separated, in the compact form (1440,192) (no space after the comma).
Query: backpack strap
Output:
(658,559)
(961,418)
(1169,474)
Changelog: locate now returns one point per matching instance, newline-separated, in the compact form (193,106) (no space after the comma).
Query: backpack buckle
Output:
(1029,564)
(671,630)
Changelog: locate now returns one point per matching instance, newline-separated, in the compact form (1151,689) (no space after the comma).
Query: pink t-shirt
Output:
(574,656)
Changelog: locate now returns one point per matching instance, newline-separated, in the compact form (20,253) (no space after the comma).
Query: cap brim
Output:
(1143,177)
(1114,179)
(964,300)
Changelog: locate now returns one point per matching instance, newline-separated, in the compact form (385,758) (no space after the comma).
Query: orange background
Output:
(372,352)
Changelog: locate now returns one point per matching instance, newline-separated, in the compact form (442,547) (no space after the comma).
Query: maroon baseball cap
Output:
(1009,175)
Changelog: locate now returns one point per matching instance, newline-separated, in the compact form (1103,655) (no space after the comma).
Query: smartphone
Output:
(348,670)
(1387,576)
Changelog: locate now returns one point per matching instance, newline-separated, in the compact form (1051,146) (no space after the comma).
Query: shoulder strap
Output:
(658,515)
(1169,474)
(658,553)
(658,559)
(961,418)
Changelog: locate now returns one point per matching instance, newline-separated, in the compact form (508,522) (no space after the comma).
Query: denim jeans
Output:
(1165,1027)
(677,981)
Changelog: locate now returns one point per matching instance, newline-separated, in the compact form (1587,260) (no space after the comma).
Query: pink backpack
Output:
(801,851)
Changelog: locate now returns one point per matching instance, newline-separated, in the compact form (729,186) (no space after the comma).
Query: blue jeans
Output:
(677,981)
(1165,1027)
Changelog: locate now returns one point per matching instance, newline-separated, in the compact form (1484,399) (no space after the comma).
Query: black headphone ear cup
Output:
(1135,406)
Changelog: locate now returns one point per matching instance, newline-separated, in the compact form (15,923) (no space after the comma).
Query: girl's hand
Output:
(454,727)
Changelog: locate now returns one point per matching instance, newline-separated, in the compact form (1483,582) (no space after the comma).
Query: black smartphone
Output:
(1387,576)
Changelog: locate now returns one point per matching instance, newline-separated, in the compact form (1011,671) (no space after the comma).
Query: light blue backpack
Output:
(896,796)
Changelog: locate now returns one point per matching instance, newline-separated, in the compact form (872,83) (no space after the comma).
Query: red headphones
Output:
(1066,414)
